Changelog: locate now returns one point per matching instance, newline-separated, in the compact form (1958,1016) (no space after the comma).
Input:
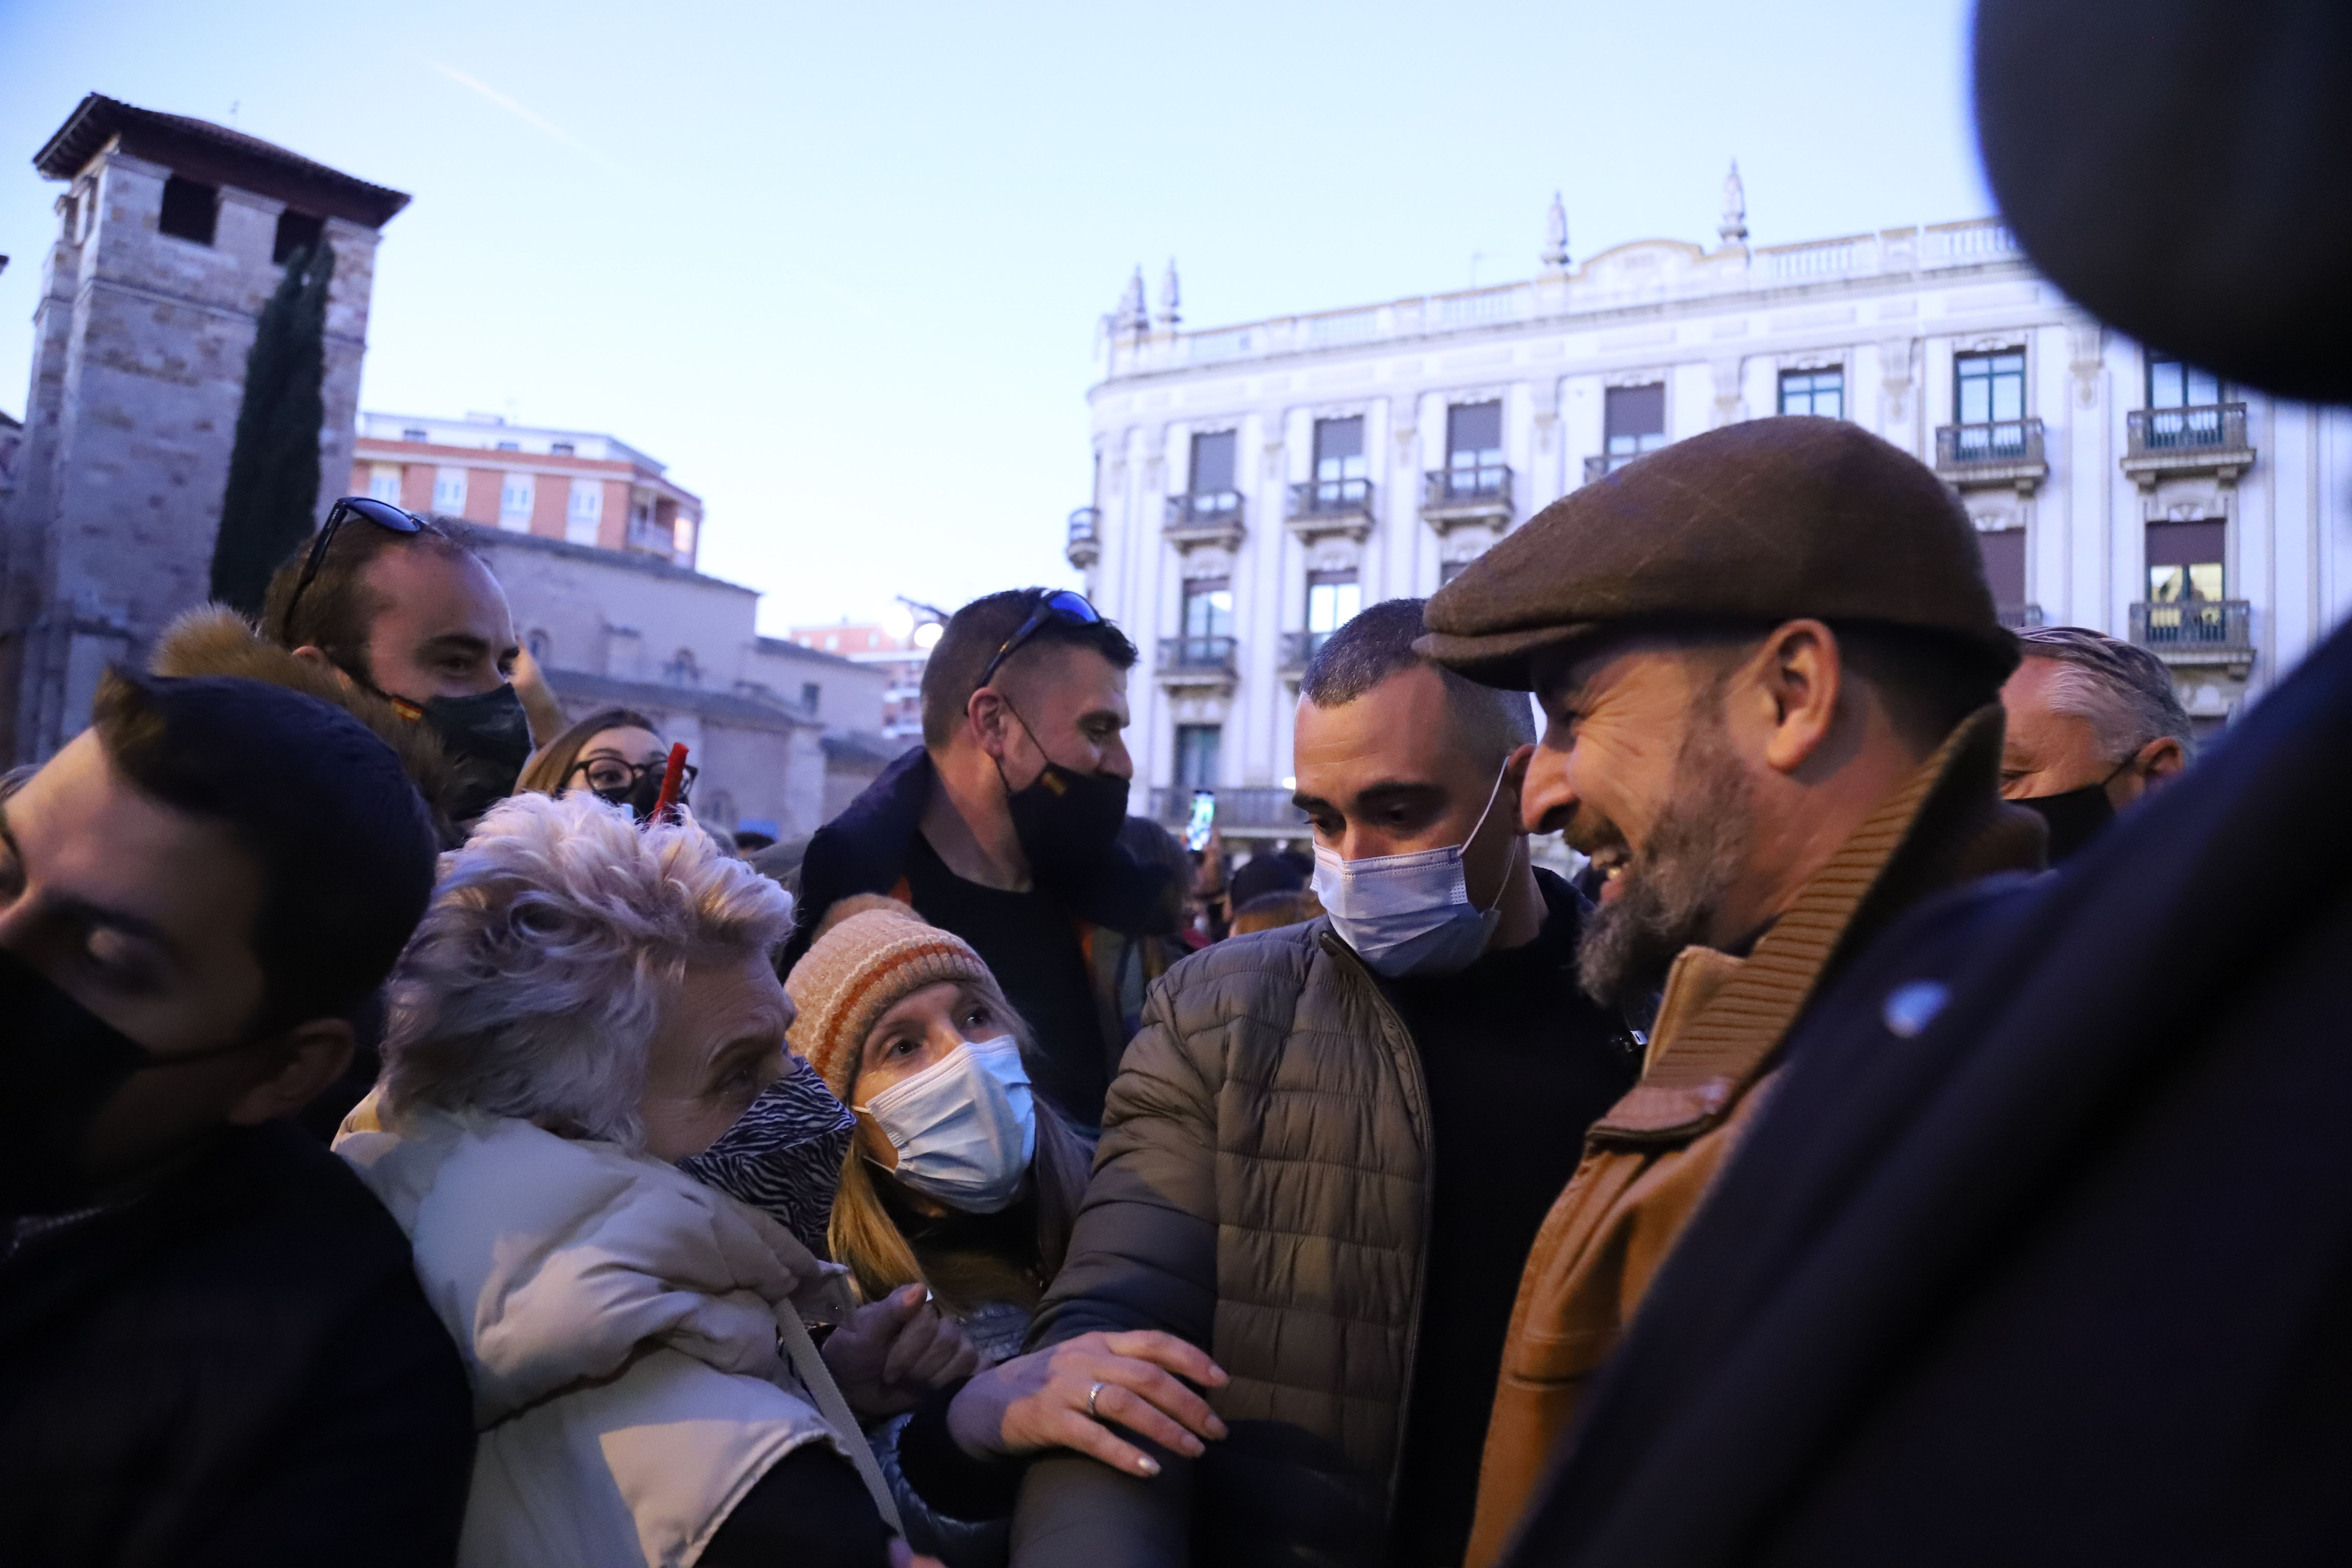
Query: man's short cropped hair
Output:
(1377,643)
(971,638)
(2123,692)
(338,610)
(344,843)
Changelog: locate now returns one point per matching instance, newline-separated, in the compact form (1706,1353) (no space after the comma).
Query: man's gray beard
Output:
(1672,889)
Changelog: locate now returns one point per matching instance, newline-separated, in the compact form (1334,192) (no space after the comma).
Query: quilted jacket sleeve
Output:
(1144,1256)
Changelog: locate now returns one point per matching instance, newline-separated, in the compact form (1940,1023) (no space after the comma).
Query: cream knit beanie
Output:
(870,955)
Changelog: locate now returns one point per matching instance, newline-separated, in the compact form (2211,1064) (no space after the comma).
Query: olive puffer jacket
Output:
(1261,1189)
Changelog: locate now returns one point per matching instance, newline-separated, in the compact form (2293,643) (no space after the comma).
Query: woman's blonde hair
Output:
(537,981)
(880,1259)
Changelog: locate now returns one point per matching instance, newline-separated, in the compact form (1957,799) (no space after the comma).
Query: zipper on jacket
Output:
(1417,1103)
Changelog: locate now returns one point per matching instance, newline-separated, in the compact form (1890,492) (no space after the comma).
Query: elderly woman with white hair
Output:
(586,1005)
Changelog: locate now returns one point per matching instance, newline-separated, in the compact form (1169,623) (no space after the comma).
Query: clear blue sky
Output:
(839,266)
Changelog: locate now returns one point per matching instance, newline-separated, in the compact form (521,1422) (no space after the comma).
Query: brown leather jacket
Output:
(1649,1161)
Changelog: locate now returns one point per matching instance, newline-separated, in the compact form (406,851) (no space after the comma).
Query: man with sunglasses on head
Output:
(401,607)
(1004,828)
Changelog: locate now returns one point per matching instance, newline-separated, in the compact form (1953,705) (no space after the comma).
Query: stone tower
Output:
(173,235)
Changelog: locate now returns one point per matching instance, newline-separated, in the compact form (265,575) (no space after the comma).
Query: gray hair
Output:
(2123,692)
(1377,643)
(555,941)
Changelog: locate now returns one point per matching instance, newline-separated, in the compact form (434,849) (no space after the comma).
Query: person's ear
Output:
(2161,759)
(318,656)
(311,1056)
(988,717)
(1799,675)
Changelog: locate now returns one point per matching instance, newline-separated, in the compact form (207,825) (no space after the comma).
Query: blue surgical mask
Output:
(1411,914)
(965,1128)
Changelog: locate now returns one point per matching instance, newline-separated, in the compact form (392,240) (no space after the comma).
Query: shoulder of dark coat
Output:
(864,849)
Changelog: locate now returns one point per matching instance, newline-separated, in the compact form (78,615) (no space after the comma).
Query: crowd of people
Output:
(997,1192)
(1905,1137)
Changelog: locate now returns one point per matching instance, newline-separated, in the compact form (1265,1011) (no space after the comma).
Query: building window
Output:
(383,484)
(1196,755)
(1212,472)
(2004,567)
(810,694)
(1208,607)
(560,448)
(2184,560)
(1449,570)
(515,498)
(587,509)
(2172,384)
(510,446)
(1633,420)
(417,435)
(449,491)
(1332,600)
(539,645)
(296,231)
(682,670)
(1473,436)
(1989,388)
(1816,391)
(191,210)
(1339,475)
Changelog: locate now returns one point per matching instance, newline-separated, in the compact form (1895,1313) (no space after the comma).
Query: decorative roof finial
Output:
(1132,317)
(1169,315)
(1735,208)
(1555,250)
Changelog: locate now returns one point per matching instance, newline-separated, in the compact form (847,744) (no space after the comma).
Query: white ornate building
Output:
(1255,484)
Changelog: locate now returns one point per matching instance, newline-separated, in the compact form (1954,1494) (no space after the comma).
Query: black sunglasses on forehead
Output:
(1066,606)
(384,514)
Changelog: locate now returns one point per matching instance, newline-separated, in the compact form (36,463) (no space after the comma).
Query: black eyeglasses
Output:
(384,514)
(612,773)
(1066,606)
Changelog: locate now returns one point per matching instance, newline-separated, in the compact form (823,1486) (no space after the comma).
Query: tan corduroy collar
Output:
(1722,1018)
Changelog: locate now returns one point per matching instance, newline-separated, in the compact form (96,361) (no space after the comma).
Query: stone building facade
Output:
(172,235)
(780,731)
(1255,484)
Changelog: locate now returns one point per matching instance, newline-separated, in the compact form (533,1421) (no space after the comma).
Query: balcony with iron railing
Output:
(1320,508)
(1995,453)
(1298,649)
(1253,812)
(2196,631)
(1197,661)
(2209,438)
(1476,493)
(1085,546)
(1209,517)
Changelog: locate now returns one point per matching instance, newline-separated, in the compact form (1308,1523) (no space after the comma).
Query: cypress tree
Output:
(272,499)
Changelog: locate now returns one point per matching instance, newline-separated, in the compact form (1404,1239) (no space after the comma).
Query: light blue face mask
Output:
(1412,914)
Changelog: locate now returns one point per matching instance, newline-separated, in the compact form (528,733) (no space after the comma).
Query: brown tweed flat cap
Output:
(1765,521)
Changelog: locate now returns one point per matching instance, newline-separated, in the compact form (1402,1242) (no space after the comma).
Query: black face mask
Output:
(2075,817)
(1068,822)
(488,735)
(59,1062)
(640,797)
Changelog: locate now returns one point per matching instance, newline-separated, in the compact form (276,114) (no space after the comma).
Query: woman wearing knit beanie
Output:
(960,1187)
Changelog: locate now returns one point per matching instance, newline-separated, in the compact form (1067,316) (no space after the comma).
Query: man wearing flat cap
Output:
(1770,669)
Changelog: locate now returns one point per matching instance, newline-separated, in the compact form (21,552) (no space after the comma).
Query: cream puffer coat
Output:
(633,1339)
